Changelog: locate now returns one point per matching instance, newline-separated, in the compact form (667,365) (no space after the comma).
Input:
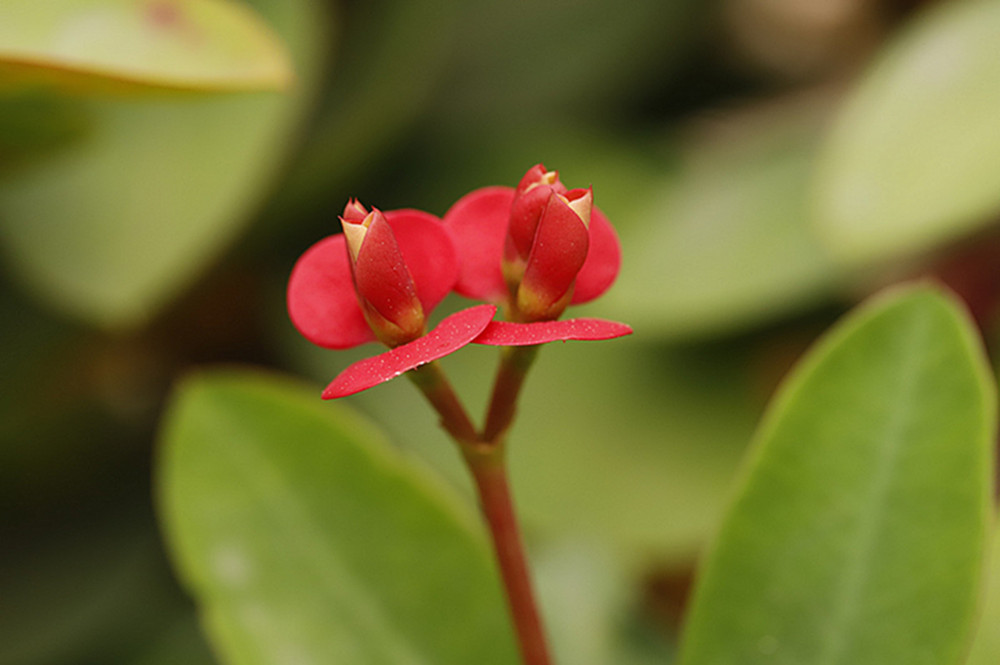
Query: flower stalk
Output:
(533,251)
(490,474)
(485,458)
(515,361)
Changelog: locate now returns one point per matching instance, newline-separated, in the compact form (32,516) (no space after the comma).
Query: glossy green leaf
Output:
(914,157)
(124,45)
(113,224)
(727,243)
(857,535)
(304,538)
(986,643)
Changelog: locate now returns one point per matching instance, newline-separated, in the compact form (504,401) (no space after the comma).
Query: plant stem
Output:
(485,458)
(490,474)
(433,383)
(514,364)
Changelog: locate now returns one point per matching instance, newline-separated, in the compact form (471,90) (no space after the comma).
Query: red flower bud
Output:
(558,251)
(495,233)
(530,199)
(340,291)
(384,286)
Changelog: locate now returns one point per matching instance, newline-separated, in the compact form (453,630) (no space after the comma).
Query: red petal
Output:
(429,251)
(321,299)
(478,222)
(603,260)
(452,334)
(506,333)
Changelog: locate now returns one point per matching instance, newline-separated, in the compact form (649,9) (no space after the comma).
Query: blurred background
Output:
(767,163)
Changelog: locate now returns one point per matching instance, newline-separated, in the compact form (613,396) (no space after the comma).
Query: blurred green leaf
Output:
(986,643)
(33,122)
(547,58)
(181,642)
(728,242)
(305,539)
(88,593)
(586,599)
(114,224)
(914,157)
(581,593)
(384,80)
(858,534)
(128,45)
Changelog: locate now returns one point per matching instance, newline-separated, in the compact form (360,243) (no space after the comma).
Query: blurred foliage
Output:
(104,45)
(146,234)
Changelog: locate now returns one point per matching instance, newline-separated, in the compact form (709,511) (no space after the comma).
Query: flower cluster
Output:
(531,251)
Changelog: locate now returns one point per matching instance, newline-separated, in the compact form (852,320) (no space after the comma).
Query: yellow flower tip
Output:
(355,232)
(582,204)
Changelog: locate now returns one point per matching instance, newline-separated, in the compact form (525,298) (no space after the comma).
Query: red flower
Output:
(378,281)
(535,250)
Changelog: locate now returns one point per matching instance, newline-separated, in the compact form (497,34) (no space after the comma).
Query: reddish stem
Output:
(514,365)
(485,458)
(433,383)
(490,474)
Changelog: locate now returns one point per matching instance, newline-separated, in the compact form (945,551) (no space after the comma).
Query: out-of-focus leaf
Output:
(386,77)
(586,600)
(914,157)
(728,243)
(581,594)
(986,643)
(127,45)
(181,642)
(305,539)
(112,225)
(91,595)
(34,122)
(546,56)
(857,535)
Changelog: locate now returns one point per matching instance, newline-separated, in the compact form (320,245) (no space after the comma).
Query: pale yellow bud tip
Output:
(354,234)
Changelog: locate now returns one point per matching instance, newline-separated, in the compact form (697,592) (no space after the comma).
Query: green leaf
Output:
(128,45)
(727,243)
(305,539)
(112,225)
(857,535)
(914,158)
(986,643)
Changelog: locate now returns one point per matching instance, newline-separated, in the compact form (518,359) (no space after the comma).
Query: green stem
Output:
(490,474)
(515,362)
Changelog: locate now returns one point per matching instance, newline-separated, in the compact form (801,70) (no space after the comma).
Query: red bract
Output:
(479,222)
(451,334)
(534,249)
(507,333)
(410,248)
(377,281)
